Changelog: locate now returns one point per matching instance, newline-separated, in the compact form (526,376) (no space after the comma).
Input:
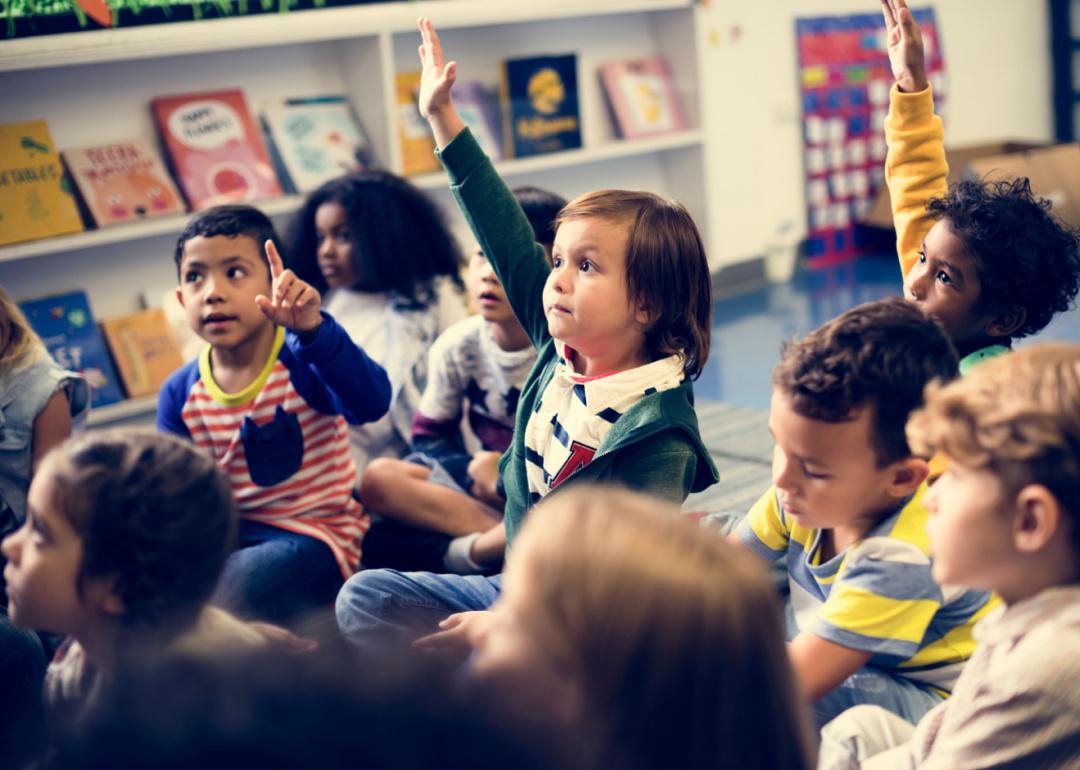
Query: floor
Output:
(748,328)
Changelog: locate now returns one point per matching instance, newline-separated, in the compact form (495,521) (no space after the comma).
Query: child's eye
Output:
(191,276)
(587,266)
(556,261)
(236,272)
(342,236)
(943,277)
(922,257)
(812,475)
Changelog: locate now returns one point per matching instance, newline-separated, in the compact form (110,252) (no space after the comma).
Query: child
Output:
(124,540)
(870,624)
(479,364)
(620,321)
(271,407)
(986,260)
(1003,519)
(650,634)
(388,266)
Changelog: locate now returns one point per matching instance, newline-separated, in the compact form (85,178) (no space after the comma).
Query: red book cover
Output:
(217,152)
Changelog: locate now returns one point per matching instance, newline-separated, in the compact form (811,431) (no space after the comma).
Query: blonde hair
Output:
(675,636)
(19,344)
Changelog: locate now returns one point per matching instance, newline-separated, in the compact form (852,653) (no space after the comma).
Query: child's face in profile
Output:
(219,280)
(335,246)
(486,292)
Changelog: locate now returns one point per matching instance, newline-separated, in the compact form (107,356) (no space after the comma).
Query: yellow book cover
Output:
(145,350)
(35,197)
(417,143)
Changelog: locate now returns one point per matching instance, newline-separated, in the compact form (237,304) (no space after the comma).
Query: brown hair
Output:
(675,635)
(666,270)
(1018,416)
(19,344)
(879,354)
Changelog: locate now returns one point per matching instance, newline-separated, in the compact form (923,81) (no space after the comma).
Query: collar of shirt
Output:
(1006,624)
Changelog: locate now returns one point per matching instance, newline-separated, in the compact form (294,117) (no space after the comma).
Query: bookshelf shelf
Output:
(131,410)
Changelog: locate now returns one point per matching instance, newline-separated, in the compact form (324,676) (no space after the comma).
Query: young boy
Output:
(1004,519)
(269,399)
(869,622)
(986,260)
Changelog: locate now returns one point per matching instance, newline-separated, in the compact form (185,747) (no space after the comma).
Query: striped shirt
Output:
(877,595)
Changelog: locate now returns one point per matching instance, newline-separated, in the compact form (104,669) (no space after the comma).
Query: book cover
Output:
(641,96)
(417,143)
(66,326)
(215,148)
(123,181)
(540,105)
(36,200)
(314,140)
(479,109)
(144,349)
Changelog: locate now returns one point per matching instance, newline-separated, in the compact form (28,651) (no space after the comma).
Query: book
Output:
(641,97)
(314,139)
(36,200)
(215,148)
(144,349)
(479,109)
(122,181)
(66,326)
(414,134)
(540,98)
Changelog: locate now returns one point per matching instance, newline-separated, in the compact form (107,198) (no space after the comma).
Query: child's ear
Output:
(907,475)
(644,316)
(1007,322)
(1038,518)
(102,593)
(180,297)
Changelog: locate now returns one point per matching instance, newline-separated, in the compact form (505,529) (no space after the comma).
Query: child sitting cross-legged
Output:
(1003,518)
(868,622)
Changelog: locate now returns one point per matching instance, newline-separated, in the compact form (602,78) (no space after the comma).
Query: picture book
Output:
(479,109)
(314,140)
(122,181)
(417,143)
(144,349)
(35,197)
(641,97)
(540,98)
(66,326)
(215,148)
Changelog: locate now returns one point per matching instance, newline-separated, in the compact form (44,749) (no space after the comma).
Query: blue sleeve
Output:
(173,396)
(335,376)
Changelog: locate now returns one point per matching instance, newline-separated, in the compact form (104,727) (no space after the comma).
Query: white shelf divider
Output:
(122,411)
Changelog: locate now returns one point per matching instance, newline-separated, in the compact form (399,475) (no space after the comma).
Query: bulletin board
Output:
(845,78)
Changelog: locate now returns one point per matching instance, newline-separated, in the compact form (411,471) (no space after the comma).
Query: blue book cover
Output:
(541,112)
(66,326)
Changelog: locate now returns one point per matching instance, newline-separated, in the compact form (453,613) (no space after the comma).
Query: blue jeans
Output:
(277,575)
(382,609)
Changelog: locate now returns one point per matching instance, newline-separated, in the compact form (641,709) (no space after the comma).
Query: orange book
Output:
(417,143)
(144,349)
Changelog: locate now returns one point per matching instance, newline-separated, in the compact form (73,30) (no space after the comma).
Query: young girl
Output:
(620,321)
(388,268)
(655,636)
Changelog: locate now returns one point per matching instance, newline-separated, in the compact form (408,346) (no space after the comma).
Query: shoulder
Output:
(181,380)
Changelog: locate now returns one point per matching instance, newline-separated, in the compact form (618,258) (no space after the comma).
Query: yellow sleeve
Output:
(764,529)
(915,168)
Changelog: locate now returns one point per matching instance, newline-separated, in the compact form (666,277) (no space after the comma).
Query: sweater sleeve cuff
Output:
(910,108)
(318,348)
(461,156)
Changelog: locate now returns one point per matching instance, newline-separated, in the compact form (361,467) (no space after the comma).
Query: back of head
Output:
(880,354)
(400,240)
(540,207)
(1017,416)
(232,221)
(676,636)
(153,512)
(1027,260)
(667,272)
(19,344)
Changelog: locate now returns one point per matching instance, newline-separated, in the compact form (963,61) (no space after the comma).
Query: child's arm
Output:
(915,167)
(496,218)
(821,665)
(51,426)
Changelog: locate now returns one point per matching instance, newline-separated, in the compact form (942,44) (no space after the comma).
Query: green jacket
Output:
(655,446)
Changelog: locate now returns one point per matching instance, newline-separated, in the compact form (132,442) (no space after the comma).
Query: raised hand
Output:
(436,77)
(905,46)
(293,303)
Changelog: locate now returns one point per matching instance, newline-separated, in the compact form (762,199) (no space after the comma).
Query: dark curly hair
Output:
(154,512)
(882,354)
(397,232)
(231,221)
(1027,259)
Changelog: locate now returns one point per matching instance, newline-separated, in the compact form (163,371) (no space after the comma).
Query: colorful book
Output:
(215,148)
(479,109)
(314,140)
(417,143)
(641,97)
(123,181)
(144,349)
(66,326)
(540,98)
(35,197)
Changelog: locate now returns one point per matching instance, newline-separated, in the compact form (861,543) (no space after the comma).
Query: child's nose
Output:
(916,283)
(10,546)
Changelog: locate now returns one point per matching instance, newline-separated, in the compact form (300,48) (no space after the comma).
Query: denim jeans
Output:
(383,609)
(277,575)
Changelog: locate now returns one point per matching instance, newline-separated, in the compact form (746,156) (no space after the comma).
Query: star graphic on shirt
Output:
(512,397)
(477,396)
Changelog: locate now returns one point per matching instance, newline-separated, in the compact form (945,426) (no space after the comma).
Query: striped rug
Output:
(739,442)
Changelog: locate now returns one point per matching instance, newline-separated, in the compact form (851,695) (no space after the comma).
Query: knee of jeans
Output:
(360,597)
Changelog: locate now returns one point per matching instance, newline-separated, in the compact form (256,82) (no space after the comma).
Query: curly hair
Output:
(231,221)
(400,239)
(154,512)
(1027,259)
(880,354)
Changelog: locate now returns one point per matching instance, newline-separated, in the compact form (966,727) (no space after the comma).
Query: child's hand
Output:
(457,636)
(484,471)
(436,78)
(294,304)
(905,46)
